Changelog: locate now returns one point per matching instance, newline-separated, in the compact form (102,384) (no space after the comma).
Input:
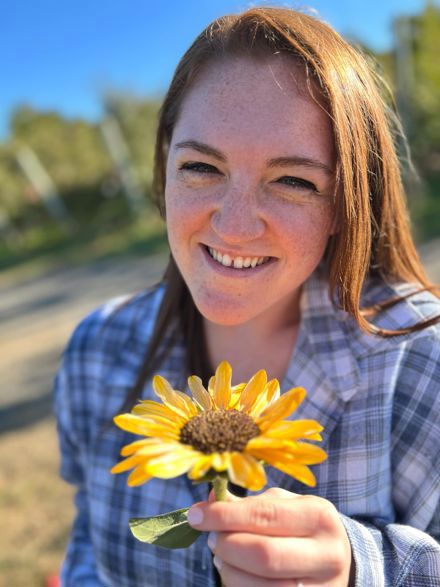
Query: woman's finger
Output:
(272,492)
(234,577)
(298,516)
(271,557)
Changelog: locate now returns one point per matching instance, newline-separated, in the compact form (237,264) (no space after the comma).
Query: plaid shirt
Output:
(379,400)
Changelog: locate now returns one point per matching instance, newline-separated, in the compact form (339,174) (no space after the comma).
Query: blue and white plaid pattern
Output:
(379,400)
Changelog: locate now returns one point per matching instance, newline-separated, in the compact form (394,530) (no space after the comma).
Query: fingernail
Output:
(195,516)
(212,540)
(218,562)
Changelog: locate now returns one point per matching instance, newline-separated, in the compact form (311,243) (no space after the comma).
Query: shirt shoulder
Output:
(350,357)
(107,328)
(412,306)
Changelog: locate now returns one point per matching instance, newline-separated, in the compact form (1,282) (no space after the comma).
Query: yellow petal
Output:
(139,425)
(235,395)
(126,464)
(245,471)
(130,449)
(138,476)
(221,461)
(199,392)
(158,448)
(294,430)
(263,442)
(287,464)
(315,436)
(211,385)
(271,393)
(307,454)
(222,387)
(148,408)
(167,423)
(176,400)
(299,472)
(281,408)
(201,467)
(297,452)
(255,388)
(172,464)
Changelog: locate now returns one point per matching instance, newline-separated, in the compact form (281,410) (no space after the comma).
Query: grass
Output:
(36,506)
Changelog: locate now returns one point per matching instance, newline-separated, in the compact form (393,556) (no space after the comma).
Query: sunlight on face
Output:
(249,189)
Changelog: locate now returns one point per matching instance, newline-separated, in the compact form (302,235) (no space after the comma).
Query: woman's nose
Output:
(238,218)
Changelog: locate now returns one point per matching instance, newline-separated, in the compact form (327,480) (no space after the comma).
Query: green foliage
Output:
(70,150)
(170,530)
(425,135)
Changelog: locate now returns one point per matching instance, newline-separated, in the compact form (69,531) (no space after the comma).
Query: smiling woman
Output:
(259,191)
(280,185)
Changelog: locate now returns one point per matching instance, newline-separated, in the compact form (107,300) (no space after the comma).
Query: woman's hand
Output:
(276,539)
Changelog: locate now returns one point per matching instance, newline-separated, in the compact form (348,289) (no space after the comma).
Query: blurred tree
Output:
(137,119)
(412,68)
(15,193)
(425,94)
(70,150)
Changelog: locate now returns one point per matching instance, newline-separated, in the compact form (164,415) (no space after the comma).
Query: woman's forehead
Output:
(264,102)
(272,76)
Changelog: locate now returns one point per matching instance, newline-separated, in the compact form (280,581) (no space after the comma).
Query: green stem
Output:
(221,492)
(220,488)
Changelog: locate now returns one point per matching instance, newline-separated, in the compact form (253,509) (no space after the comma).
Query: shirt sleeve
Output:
(407,553)
(393,556)
(78,568)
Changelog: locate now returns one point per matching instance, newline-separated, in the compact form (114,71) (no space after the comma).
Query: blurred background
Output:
(81,86)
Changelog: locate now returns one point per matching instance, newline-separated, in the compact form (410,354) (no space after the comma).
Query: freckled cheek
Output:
(304,232)
(185,217)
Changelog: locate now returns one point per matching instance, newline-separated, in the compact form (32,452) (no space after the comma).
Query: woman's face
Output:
(249,189)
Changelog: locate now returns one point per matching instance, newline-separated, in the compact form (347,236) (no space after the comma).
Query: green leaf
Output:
(169,530)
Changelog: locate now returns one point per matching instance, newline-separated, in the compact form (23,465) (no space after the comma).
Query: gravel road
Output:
(37,316)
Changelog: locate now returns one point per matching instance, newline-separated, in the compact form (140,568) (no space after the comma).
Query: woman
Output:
(290,251)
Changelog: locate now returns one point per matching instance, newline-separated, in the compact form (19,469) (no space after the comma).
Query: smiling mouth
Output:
(236,262)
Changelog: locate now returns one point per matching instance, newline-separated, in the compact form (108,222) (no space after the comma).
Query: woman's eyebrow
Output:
(276,162)
(201,148)
(299,161)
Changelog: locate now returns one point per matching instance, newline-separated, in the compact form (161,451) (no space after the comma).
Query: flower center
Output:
(219,431)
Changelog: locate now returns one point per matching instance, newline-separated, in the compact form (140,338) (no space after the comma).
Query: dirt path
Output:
(37,317)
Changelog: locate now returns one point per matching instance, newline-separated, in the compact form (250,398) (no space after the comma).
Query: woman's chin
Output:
(225,314)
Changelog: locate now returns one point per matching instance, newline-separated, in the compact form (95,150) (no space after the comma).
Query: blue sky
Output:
(63,55)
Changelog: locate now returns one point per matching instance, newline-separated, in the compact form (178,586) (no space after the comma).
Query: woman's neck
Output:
(265,342)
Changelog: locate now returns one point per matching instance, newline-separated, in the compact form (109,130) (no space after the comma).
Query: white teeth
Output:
(226,261)
(237,262)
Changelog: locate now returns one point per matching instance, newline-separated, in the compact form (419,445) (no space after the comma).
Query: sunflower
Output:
(226,430)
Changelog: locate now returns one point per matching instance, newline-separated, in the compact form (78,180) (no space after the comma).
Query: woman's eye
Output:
(298,183)
(198,167)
